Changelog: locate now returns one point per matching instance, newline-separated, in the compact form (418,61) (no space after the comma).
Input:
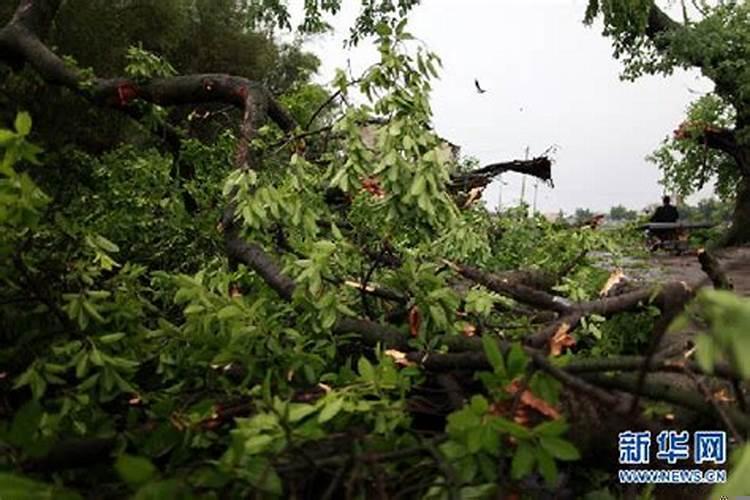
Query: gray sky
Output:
(550,80)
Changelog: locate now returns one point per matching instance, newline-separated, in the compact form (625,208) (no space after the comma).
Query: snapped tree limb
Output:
(540,168)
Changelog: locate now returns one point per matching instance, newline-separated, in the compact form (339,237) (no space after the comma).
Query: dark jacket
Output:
(665,213)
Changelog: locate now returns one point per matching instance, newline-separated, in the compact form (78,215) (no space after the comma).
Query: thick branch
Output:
(721,139)
(665,392)
(20,43)
(36,15)
(538,167)
(254,257)
(659,23)
(513,285)
(714,270)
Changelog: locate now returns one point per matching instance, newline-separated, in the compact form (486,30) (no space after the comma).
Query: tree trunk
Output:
(739,232)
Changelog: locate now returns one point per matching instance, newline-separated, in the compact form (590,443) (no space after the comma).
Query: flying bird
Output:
(479,89)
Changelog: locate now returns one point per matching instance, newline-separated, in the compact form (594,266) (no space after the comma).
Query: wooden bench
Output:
(671,236)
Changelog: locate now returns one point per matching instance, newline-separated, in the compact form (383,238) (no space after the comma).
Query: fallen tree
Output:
(324,349)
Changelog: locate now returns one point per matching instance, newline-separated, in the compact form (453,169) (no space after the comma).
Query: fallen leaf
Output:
(359,286)
(474,195)
(326,388)
(560,340)
(722,396)
(372,186)
(532,401)
(399,357)
(469,330)
(614,278)
(521,417)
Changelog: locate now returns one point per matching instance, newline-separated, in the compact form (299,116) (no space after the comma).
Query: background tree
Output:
(620,212)
(582,215)
(714,140)
(710,210)
(191,35)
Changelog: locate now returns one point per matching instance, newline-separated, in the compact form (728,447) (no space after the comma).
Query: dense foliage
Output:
(345,327)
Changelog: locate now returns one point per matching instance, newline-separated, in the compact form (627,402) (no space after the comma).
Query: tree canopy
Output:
(714,140)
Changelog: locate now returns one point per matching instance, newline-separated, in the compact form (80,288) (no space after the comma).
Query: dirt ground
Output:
(734,260)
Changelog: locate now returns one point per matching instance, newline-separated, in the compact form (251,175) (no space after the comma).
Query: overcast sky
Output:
(551,81)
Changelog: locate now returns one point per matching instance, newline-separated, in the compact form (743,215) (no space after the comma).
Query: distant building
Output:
(553,216)
(369,137)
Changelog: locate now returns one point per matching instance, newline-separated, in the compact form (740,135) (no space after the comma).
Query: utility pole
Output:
(536,189)
(500,194)
(523,179)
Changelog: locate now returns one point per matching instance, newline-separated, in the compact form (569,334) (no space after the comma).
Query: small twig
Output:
(739,394)
(41,293)
(576,383)
(668,393)
(447,469)
(320,109)
(673,305)
(710,399)
(366,279)
(278,146)
(335,482)
(523,387)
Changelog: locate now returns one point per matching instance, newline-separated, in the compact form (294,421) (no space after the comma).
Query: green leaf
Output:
(523,460)
(91,310)
(512,428)
(82,365)
(135,470)
(547,466)
(602,494)
(23,123)
(25,424)
(474,439)
(705,352)
(330,410)
(365,369)
(228,312)
(159,490)
(517,360)
(298,411)
(479,404)
(551,428)
(494,356)
(111,338)
(257,444)
(96,357)
(738,481)
(559,448)
(264,477)
(13,487)
(6,136)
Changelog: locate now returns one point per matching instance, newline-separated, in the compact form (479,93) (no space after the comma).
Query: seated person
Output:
(665,213)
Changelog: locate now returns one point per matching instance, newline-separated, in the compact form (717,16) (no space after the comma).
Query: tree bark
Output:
(739,232)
